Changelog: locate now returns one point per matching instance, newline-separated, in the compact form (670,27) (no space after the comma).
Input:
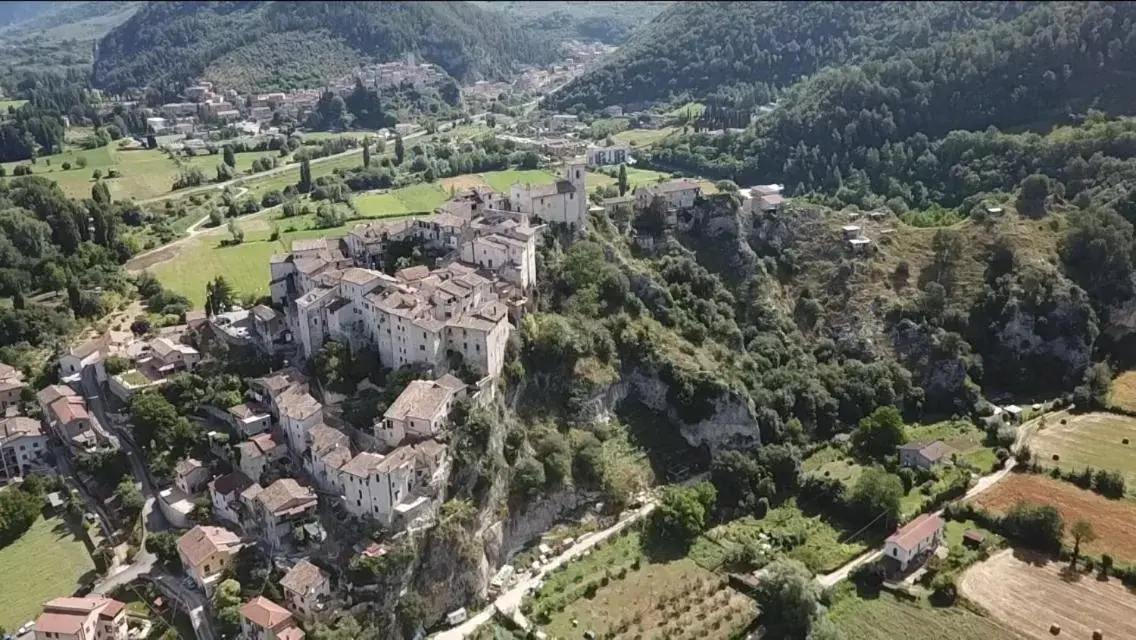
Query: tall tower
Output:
(576,172)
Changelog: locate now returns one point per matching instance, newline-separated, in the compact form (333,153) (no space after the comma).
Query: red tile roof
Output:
(266,614)
(911,534)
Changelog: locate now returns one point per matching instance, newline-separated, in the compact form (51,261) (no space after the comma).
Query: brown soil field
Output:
(1029,595)
(1114,521)
(469,181)
(1124,391)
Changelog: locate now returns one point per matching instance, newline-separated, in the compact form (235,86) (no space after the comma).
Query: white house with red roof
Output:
(93,618)
(914,539)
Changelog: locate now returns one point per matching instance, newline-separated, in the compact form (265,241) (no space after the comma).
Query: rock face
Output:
(731,423)
(1037,330)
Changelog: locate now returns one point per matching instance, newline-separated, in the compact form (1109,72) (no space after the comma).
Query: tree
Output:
(367,153)
(622,180)
(879,434)
(305,183)
(1039,527)
(227,603)
(163,544)
(1035,189)
(129,496)
(739,479)
(219,296)
(682,514)
(877,494)
(229,157)
(1082,531)
(236,236)
(399,150)
(1094,391)
(100,193)
(103,557)
(787,596)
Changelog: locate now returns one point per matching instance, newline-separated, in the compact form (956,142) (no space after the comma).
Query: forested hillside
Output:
(166,45)
(893,129)
(700,50)
(607,22)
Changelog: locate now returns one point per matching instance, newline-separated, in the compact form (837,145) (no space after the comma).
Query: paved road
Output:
(191,600)
(510,601)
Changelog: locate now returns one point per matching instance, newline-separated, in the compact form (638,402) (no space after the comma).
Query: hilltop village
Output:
(282,460)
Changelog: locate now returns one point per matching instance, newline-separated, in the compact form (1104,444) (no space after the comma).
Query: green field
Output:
(616,590)
(6,104)
(963,437)
(144,173)
(208,162)
(831,462)
(199,260)
(642,137)
(47,562)
(1093,440)
(822,549)
(501,181)
(886,617)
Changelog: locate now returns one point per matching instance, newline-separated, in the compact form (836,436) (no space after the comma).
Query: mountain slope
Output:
(607,22)
(873,129)
(165,45)
(695,49)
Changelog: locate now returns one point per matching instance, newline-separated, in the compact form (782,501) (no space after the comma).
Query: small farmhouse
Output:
(914,541)
(924,455)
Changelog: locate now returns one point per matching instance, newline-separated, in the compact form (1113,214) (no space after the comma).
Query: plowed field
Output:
(1114,521)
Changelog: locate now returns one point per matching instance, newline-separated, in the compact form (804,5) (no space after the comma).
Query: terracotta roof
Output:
(258,445)
(400,457)
(200,542)
(112,609)
(364,465)
(286,496)
(420,400)
(303,578)
(291,633)
(67,410)
(325,438)
(354,275)
(67,615)
(247,411)
(309,244)
(18,427)
(187,466)
(911,534)
(298,404)
(411,274)
(265,613)
(62,623)
(231,482)
(672,186)
(47,395)
(933,451)
(263,313)
(8,371)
